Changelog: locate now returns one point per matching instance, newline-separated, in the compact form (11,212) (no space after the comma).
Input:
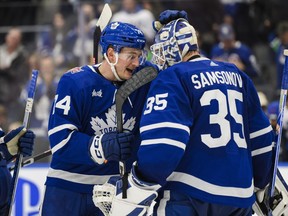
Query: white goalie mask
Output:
(172,42)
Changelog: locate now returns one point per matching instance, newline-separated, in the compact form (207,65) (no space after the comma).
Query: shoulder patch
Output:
(75,70)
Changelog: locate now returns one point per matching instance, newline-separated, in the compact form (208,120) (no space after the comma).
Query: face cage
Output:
(166,54)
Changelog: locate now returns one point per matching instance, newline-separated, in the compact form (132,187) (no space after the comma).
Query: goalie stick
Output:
(282,104)
(28,111)
(102,22)
(139,79)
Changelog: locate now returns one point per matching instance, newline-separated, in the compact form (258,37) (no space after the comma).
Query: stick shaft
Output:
(282,104)
(139,79)
(28,111)
(33,159)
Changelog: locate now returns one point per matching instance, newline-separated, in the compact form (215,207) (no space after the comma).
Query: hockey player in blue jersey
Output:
(86,149)
(18,139)
(205,140)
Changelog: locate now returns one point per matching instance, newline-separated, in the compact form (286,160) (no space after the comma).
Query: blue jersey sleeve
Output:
(170,132)
(67,141)
(261,139)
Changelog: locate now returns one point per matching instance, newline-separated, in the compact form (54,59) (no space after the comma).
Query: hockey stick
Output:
(102,22)
(33,159)
(282,104)
(28,111)
(139,79)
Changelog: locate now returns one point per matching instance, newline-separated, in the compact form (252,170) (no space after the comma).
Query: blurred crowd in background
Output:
(53,36)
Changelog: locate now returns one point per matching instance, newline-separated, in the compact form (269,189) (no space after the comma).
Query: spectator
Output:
(13,72)
(3,118)
(205,25)
(263,100)
(273,112)
(83,47)
(59,43)
(240,11)
(44,96)
(233,51)
(134,13)
(278,44)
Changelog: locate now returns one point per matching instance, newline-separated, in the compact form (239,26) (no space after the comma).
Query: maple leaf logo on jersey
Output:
(101,126)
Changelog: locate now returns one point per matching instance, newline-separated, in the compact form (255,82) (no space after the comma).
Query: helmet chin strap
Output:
(112,65)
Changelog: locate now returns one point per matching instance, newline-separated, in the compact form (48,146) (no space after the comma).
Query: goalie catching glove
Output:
(19,139)
(112,146)
(139,201)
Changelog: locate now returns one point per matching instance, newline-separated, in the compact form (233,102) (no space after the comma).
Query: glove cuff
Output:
(96,150)
(140,183)
(12,139)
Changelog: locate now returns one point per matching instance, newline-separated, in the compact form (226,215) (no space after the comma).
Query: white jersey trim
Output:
(263,150)
(61,144)
(78,178)
(62,127)
(260,132)
(211,188)
(164,141)
(161,210)
(165,125)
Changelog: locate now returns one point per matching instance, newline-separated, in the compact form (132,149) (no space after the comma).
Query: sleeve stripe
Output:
(260,132)
(61,144)
(262,150)
(62,127)
(164,141)
(211,188)
(165,125)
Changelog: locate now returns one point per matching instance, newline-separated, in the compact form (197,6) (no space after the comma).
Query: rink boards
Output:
(30,188)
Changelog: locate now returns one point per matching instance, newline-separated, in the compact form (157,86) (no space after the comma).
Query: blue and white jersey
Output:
(204,133)
(240,52)
(84,106)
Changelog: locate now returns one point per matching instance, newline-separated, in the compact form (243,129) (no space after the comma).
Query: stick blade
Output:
(105,17)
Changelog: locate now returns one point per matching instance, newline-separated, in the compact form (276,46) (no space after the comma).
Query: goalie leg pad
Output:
(139,201)
(120,207)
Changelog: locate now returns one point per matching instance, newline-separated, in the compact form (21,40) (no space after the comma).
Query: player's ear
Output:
(111,54)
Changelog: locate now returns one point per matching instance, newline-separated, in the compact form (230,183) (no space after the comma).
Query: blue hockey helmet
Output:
(119,35)
(172,42)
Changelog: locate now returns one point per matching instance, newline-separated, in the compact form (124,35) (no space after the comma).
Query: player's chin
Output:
(128,74)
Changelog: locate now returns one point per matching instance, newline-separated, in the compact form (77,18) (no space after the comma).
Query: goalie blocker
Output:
(278,203)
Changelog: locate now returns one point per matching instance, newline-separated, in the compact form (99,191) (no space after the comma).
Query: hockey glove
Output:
(139,201)
(19,138)
(111,146)
(167,16)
